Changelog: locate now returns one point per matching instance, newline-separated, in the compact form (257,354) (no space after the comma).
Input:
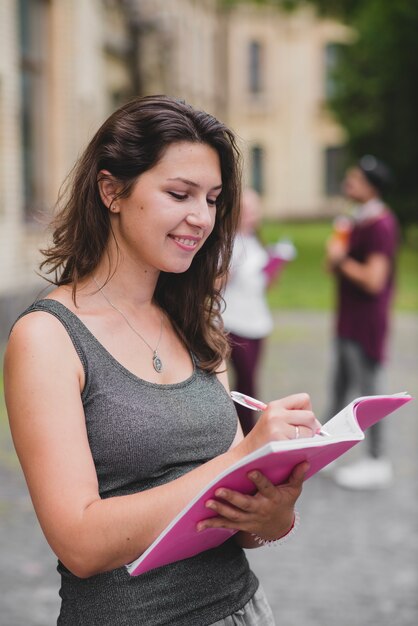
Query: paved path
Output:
(354,559)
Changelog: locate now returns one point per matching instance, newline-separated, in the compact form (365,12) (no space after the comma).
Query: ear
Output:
(108,189)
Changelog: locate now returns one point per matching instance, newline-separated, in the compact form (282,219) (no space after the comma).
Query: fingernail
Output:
(254,475)
(221,493)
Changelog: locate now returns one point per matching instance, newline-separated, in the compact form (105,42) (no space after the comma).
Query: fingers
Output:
(269,490)
(263,484)
(231,512)
(292,411)
(234,514)
(298,431)
(295,401)
(238,511)
(298,475)
(278,421)
(281,423)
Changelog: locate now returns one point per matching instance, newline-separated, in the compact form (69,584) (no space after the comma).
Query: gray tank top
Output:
(141,435)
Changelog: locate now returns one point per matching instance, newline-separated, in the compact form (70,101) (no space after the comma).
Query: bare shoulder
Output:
(43,379)
(38,343)
(37,329)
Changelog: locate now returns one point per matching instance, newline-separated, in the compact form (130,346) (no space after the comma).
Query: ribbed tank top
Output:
(141,435)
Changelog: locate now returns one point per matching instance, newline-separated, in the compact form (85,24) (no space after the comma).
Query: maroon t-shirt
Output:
(363,317)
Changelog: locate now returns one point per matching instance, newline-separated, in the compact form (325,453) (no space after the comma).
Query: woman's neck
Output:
(126,282)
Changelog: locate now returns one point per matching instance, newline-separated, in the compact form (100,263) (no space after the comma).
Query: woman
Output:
(247,316)
(116,386)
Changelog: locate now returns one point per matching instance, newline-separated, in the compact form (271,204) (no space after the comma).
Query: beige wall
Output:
(9,156)
(182,47)
(81,72)
(288,117)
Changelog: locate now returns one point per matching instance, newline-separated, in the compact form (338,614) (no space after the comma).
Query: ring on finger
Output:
(297,432)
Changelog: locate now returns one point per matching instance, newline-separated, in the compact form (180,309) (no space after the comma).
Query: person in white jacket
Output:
(247,316)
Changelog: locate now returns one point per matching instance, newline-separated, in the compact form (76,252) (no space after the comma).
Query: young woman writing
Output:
(116,385)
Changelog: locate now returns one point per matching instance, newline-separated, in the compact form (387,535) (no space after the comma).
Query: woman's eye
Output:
(178,196)
(212,201)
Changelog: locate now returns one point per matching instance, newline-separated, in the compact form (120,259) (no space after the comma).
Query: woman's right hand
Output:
(288,418)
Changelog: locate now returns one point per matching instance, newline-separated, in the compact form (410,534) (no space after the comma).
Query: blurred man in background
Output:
(363,264)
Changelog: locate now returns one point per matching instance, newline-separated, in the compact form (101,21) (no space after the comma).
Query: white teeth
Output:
(186,242)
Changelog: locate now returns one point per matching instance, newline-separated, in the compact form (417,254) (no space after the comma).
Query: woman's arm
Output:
(43,381)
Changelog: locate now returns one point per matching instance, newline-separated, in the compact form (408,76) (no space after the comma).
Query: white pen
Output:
(248,401)
(259,405)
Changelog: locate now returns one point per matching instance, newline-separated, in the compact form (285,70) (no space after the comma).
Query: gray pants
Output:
(256,612)
(355,374)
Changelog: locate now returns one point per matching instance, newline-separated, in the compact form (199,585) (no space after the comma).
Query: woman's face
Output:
(250,211)
(171,210)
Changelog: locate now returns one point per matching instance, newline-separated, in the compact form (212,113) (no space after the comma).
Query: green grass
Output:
(305,284)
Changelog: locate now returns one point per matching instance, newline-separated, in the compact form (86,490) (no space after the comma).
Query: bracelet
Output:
(272,543)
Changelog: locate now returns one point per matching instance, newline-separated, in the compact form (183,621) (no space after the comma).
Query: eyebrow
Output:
(192,184)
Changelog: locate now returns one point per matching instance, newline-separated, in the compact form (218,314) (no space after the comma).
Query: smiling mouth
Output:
(185,241)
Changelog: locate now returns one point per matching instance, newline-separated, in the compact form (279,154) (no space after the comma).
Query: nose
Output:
(201,215)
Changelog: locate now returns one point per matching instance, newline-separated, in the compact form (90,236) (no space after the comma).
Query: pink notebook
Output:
(180,540)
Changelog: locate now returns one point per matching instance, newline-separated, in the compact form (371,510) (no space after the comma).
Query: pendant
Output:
(157,363)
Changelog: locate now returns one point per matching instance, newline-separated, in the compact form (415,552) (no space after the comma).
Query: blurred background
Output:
(308,86)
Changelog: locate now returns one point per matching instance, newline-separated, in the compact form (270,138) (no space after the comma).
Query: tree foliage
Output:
(376,94)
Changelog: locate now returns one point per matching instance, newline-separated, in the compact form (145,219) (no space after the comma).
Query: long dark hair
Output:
(130,142)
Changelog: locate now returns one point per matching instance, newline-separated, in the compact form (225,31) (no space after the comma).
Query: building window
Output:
(257,168)
(33,39)
(331,54)
(335,164)
(255,67)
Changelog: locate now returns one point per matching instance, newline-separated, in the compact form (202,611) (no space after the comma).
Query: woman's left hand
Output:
(269,513)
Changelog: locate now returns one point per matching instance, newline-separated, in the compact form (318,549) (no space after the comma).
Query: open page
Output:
(344,424)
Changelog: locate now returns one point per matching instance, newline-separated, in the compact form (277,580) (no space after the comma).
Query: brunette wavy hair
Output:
(130,142)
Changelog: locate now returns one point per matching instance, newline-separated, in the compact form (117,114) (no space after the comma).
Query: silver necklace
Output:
(156,360)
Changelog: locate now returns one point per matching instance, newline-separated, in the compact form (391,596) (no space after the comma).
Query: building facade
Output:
(63,67)
(66,64)
(279,78)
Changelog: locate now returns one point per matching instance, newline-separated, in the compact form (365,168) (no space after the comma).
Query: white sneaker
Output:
(368,473)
